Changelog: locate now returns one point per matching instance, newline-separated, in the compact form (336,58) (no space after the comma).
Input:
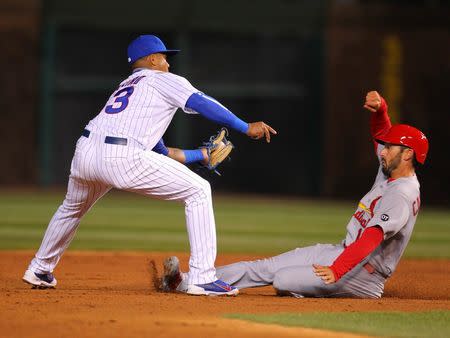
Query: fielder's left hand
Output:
(325,273)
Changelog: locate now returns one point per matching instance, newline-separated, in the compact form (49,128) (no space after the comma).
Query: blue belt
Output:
(108,139)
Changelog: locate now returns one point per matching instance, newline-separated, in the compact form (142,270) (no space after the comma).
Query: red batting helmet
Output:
(404,135)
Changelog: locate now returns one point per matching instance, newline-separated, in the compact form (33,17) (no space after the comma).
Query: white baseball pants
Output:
(97,167)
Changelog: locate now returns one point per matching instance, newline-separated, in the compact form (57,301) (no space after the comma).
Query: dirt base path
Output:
(110,294)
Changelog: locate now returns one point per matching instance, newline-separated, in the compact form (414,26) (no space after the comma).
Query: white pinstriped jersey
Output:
(143,106)
(140,110)
(393,205)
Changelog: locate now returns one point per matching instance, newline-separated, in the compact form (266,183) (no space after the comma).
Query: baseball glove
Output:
(218,148)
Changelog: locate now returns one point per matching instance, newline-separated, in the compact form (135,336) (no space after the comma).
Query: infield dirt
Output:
(111,294)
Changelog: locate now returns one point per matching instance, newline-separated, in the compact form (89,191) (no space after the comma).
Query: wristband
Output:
(193,156)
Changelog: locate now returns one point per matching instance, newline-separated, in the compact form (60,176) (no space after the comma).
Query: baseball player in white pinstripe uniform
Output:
(115,151)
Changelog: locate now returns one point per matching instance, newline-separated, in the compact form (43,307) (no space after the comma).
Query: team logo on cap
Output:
(384,217)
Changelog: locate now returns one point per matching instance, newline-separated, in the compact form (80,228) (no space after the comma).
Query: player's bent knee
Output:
(200,189)
(286,285)
(206,187)
(202,186)
(279,285)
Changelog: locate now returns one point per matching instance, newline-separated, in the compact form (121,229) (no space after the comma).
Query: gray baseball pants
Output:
(291,273)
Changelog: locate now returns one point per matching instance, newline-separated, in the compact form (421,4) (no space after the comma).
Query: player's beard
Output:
(388,169)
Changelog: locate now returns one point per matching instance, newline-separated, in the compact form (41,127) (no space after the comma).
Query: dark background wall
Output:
(404,51)
(302,66)
(19,90)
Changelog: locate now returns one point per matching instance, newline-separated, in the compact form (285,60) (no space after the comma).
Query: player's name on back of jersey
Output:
(132,81)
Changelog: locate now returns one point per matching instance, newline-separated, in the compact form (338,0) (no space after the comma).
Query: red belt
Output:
(369,267)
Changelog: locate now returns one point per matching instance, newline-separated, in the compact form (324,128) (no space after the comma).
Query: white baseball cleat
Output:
(38,280)
(217,288)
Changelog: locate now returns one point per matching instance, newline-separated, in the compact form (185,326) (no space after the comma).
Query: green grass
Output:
(123,221)
(385,324)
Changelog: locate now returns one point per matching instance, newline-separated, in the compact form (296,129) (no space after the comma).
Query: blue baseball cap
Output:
(145,45)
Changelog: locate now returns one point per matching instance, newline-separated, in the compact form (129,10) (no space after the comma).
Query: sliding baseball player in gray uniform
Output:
(377,233)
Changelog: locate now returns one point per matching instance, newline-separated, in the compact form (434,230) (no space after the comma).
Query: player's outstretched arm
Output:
(184,156)
(210,155)
(187,156)
(215,111)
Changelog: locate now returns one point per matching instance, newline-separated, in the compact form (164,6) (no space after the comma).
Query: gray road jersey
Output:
(393,205)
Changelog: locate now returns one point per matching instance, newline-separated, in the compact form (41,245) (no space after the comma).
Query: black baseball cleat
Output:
(39,281)
(172,277)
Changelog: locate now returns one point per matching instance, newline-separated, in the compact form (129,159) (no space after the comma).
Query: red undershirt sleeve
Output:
(357,251)
(380,122)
